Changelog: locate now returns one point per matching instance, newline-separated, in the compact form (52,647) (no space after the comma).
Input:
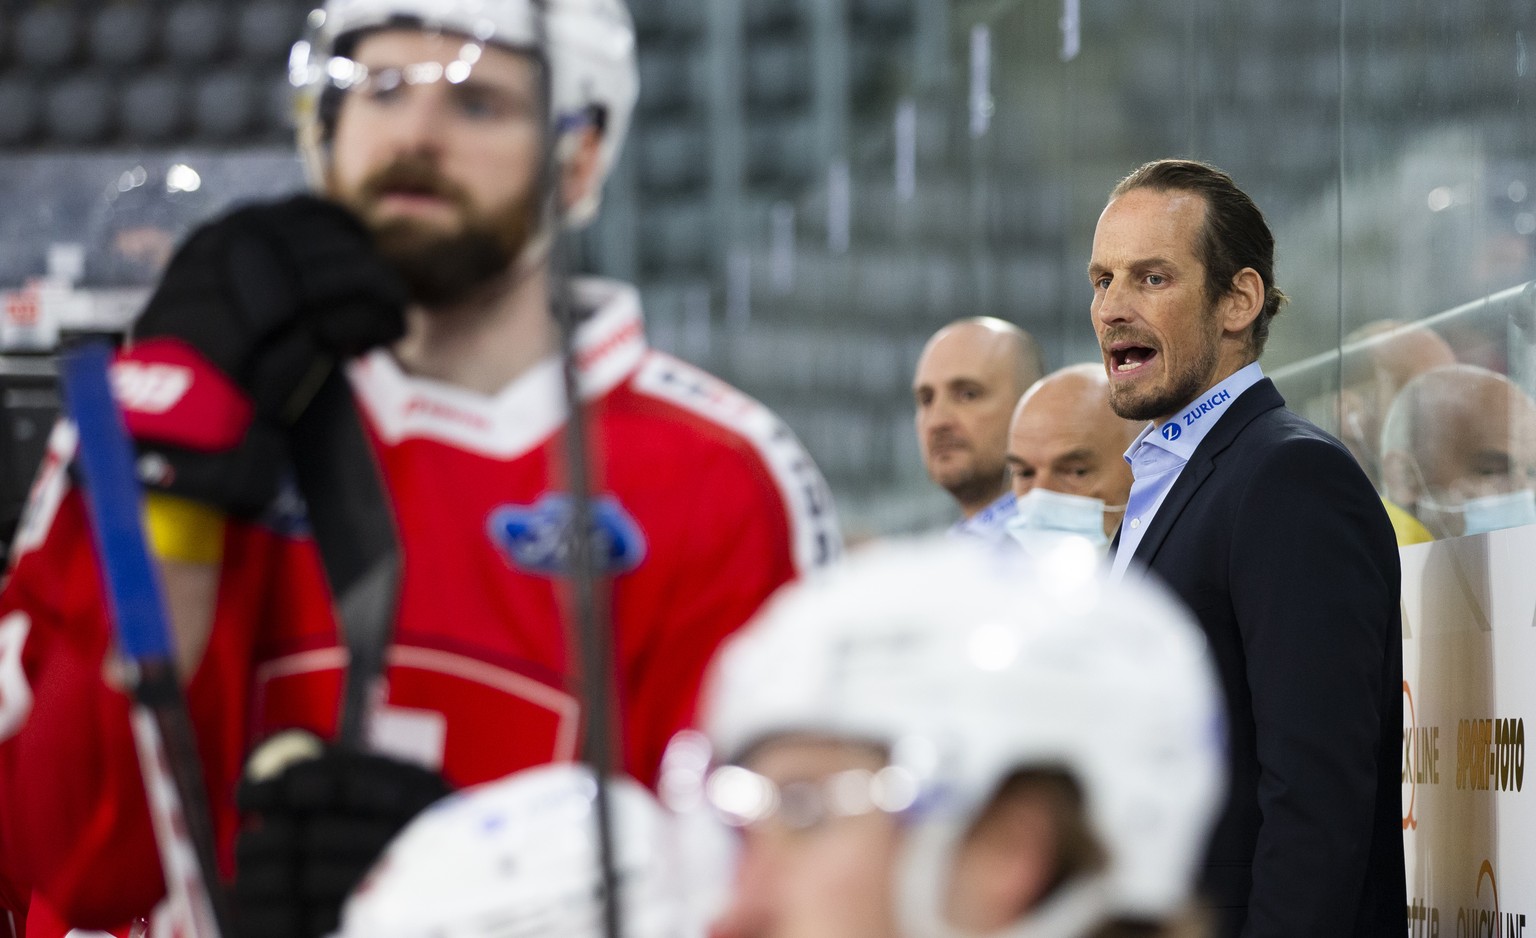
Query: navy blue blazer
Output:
(1276,540)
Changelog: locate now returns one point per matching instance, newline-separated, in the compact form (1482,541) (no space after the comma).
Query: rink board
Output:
(1469,703)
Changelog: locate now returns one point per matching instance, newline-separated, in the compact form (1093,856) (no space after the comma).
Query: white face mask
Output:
(1044,519)
(1505,510)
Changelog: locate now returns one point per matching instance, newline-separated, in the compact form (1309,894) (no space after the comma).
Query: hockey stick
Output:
(353,526)
(162,727)
(590,630)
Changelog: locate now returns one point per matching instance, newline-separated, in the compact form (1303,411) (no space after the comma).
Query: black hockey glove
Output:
(248,319)
(314,828)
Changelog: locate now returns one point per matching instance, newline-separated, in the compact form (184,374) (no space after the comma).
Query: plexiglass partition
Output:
(1390,146)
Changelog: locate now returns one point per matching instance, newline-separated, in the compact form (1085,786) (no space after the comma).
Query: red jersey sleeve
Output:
(75,829)
(70,790)
(754,515)
(737,554)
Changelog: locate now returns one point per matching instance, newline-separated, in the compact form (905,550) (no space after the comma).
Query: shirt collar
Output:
(1182,433)
(989,518)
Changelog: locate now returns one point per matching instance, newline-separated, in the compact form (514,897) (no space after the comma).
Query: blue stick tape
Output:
(114,502)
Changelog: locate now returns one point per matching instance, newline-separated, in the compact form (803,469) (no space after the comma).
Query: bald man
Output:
(1459,451)
(1065,438)
(969,377)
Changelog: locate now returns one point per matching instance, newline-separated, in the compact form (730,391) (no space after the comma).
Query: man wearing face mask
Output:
(1459,451)
(1065,459)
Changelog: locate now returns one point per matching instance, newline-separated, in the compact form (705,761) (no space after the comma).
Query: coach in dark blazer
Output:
(1269,530)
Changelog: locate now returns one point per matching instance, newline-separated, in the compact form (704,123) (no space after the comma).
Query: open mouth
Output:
(1129,358)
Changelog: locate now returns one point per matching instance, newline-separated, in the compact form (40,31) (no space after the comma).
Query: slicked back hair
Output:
(1235,234)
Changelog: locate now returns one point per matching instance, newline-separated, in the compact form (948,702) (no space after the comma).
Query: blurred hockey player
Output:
(518,856)
(144,212)
(425,270)
(933,741)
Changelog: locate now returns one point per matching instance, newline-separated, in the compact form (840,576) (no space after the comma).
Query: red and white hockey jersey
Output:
(705,503)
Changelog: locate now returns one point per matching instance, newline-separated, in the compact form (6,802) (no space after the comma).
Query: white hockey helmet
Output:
(518,857)
(970,665)
(591,48)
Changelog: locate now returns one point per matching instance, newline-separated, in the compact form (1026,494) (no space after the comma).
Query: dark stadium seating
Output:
(46,37)
(266,29)
(196,31)
(154,106)
(20,107)
(123,35)
(81,109)
(778,73)
(225,105)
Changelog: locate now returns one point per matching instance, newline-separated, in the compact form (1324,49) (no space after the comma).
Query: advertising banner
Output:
(1469,699)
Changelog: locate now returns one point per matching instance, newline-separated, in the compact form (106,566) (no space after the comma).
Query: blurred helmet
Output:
(143,214)
(591,50)
(518,857)
(969,666)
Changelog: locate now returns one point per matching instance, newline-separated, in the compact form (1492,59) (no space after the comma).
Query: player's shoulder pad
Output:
(48,490)
(814,533)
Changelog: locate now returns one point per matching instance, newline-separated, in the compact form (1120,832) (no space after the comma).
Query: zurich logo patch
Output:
(533,537)
(1171,431)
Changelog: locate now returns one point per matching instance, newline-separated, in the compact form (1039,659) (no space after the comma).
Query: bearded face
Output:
(441,264)
(446,174)
(1187,374)
(1159,331)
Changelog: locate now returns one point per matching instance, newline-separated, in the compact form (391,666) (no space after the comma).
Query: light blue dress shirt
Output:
(989,523)
(1159,454)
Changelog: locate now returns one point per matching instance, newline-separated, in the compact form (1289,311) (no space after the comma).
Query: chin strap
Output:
(922,873)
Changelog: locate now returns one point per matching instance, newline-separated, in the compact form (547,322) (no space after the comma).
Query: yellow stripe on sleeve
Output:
(183,530)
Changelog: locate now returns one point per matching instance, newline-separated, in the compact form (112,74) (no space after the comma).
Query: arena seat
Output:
(781,149)
(196,32)
(20,104)
(46,37)
(678,19)
(778,72)
(266,29)
(670,155)
(887,13)
(153,107)
(666,82)
(225,105)
(762,16)
(81,109)
(122,35)
(276,108)
(678,236)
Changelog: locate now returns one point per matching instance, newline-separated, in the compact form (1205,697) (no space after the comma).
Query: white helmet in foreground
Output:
(517,858)
(968,667)
(591,50)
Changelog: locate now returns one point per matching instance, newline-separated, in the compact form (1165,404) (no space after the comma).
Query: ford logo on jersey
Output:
(532,537)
